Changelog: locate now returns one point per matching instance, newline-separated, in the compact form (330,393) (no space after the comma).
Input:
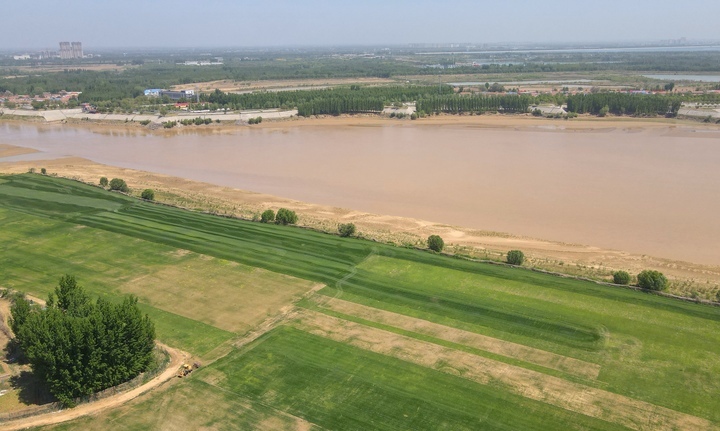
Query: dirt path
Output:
(177,358)
(286,313)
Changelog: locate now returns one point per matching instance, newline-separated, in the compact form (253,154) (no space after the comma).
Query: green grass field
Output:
(193,405)
(661,353)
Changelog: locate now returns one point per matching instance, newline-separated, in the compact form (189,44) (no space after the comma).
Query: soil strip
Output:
(489,344)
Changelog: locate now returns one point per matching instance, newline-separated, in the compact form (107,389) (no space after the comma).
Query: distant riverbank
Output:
(79,115)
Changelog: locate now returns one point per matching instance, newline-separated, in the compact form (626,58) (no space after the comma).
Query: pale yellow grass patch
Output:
(575,397)
(228,296)
(232,85)
(489,344)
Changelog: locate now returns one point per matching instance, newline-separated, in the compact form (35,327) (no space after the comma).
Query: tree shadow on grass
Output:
(13,354)
(30,389)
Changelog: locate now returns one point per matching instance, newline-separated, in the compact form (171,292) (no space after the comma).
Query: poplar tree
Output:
(77,346)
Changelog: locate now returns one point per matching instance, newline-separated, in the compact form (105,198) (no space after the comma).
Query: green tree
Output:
(285,216)
(515,257)
(496,88)
(652,280)
(78,347)
(346,229)
(148,194)
(435,243)
(603,111)
(103,181)
(19,312)
(119,185)
(267,216)
(43,171)
(71,298)
(621,277)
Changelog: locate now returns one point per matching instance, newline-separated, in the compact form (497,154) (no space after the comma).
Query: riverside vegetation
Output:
(405,79)
(422,340)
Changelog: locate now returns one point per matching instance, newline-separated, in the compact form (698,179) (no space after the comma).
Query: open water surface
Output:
(653,191)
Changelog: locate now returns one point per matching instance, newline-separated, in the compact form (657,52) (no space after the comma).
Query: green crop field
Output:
(397,338)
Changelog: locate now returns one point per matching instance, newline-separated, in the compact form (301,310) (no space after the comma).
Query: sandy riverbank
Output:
(514,121)
(585,260)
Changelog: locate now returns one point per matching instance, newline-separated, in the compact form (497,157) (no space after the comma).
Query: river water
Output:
(652,191)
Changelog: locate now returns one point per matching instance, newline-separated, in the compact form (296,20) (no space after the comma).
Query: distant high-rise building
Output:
(72,50)
(77,50)
(65,51)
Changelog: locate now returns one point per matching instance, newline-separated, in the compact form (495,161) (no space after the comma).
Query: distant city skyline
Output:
(42,24)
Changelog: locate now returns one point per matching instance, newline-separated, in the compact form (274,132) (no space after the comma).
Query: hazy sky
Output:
(173,23)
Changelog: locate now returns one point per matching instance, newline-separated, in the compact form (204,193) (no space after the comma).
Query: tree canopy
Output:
(285,216)
(346,229)
(624,104)
(77,346)
(148,194)
(621,277)
(515,257)
(267,216)
(435,243)
(652,280)
(119,185)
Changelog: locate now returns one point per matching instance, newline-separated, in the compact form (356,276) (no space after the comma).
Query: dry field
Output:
(470,339)
(224,294)
(230,86)
(99,67)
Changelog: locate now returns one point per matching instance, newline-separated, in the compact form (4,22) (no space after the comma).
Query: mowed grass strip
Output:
(504,348)
(282,249)
(597,403)
(186,334)
(502,318)
(338,386)
(56,196)
(656,349)
(37,251)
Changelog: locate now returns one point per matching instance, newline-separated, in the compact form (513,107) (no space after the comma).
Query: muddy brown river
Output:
(649,190)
